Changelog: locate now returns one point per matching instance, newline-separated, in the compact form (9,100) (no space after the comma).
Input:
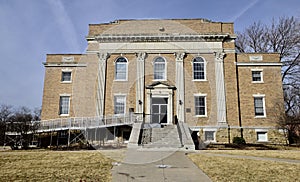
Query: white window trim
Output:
(261,75)
(64,71)
(205,102)
(121,80)
(205,63)
(210,129)
(264,105)
(65,95)
(166,70)
(262,131)
(122,95)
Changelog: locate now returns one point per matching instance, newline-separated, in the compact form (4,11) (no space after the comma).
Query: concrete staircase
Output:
(165,137)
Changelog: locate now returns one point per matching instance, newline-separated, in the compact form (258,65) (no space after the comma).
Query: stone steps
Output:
(164,137)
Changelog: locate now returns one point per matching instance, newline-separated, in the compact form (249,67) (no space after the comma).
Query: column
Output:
(220,87)
(101,83)
(140,69)
(180,86)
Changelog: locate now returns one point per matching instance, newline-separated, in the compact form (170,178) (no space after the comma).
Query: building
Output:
(169,71)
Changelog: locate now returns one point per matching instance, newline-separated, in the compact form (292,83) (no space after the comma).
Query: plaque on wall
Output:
(188,110)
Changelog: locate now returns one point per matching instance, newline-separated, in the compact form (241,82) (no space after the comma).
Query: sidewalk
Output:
(160,165)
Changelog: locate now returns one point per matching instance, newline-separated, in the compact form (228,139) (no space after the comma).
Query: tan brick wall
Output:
(152,26)
(267,57)
(231,89)
(200,87)
(271,87)
(222,135)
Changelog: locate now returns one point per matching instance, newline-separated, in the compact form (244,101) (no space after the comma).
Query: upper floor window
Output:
(199,68)
(121,69)
(259,106)
(66,76)
(257,76)
(159,69)
(64,105)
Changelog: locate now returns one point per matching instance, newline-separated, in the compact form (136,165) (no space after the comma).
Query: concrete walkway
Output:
(159,165)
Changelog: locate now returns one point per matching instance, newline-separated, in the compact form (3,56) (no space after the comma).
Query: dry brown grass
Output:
(41,165)
(232,169)
(282,154)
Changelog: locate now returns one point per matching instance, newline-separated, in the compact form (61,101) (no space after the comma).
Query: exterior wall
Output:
(271,87)
(200,87)
(84,88)
(223,135)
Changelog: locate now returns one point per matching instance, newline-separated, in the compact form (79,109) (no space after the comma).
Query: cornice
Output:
(161,38)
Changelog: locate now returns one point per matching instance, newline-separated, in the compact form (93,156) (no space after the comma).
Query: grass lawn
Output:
(44,165)
(233,169)
(281,154)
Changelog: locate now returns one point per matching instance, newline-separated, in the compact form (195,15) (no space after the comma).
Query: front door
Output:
(159,110)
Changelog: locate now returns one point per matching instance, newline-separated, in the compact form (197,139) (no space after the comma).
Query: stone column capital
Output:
(103,56)
(141,56)
(179,56)
(219,56)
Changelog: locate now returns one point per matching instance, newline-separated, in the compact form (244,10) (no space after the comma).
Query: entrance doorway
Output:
(159,110)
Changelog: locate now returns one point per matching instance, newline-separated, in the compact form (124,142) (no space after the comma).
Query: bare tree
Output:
(5,112)
(282,36)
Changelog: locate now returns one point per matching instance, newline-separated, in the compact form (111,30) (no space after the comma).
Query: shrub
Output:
(239,140)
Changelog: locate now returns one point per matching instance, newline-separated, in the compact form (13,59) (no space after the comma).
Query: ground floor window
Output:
(119,104)
(200,105)
(262,136)
(209,136)
(64,105)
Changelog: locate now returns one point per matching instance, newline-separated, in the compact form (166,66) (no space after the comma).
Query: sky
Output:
(31,29)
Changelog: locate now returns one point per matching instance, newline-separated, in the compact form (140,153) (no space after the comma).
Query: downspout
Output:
(238,95)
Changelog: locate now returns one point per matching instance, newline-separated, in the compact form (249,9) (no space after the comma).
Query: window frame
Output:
(263,132)
(124,107)
(204,68)
(61,109)
(261,75)
(262,97)
(214,135)
(205,105)
(116,63)
(62,76)
(164,71)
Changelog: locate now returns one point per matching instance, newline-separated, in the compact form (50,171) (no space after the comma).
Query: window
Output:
(159,69)
(262,136)
(119,104)
(66,76)
(259,106)
(209,135)
(200,109)
(199,68)
(257,76)
(121,69)
(64,105)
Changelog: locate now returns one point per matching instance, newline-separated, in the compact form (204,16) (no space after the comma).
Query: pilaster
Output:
(140,82)
(220,87)
(180,86)
(101,80)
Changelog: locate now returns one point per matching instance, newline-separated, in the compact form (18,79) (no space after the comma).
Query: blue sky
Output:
(30,29)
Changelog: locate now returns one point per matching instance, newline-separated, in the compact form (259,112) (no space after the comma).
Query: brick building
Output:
(179,70)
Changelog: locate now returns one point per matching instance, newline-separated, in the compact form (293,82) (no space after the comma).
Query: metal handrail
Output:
(86,122)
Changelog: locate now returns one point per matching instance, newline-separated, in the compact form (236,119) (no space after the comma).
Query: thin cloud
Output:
(243,11)
(65,24)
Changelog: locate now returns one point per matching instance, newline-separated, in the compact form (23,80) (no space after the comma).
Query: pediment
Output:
(160,85)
